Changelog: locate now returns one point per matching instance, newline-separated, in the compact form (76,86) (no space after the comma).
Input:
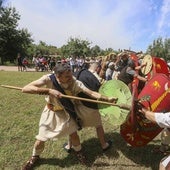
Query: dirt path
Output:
(13,68)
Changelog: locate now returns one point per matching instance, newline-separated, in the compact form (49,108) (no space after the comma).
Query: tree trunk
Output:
(2,60)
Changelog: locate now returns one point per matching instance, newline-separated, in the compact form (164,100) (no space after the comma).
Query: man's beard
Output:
(67,85)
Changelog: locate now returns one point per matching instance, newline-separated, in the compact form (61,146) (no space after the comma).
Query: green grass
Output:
(19,118)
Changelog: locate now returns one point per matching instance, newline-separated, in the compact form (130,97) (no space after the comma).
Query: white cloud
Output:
(164,16)
(116,24)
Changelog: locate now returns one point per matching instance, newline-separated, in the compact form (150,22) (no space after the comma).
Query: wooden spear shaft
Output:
(11,87)
(122,106)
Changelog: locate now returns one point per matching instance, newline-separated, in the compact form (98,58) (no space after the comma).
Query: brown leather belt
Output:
(54,108)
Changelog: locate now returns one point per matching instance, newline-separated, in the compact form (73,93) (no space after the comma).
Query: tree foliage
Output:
(76,48)
(12,39)
(42,49)
(96,51)
(160,48)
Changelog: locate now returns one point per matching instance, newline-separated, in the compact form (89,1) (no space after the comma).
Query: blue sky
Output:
(119,24)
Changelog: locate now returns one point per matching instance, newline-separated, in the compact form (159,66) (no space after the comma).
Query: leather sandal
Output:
(66,149)
(109,146)
(31,162)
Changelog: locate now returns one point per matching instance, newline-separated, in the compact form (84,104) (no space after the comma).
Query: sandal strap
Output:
(31,162)
(68,150)
(33,159)
(110,143)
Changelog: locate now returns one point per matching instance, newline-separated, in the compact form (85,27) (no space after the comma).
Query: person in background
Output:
(111,67)
(80,62)
(163,120)
(25,64)
(128,73)
(52,63)
(93,68)
(72,63)
(36,63)
(104,63)
(19,62)
(109,71)
(88,111)
(122,61)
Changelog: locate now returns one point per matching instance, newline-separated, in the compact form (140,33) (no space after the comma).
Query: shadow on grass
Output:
(91,149)
(141,156)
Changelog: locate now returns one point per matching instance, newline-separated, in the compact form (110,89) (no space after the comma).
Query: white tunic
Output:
(57,124)
(163,120)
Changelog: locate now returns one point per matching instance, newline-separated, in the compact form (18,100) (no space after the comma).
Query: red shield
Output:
(137,130)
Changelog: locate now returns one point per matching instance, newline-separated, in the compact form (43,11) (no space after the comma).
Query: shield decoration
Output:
(149,63)
(115,88)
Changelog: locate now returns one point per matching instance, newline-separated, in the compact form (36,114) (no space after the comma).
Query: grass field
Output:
(19,118)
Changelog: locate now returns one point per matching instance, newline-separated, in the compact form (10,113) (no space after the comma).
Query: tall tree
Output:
(160,48)
(75,47)
(44,49)
(167,49)
(96,51)
(12,40)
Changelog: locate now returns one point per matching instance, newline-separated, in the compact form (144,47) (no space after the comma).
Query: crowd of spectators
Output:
(42,63)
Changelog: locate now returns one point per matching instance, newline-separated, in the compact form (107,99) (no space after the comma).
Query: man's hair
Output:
(60,68)
(131,63)
(94,65)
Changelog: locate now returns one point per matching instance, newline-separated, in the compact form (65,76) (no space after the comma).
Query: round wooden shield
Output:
(115,88)
(148,61)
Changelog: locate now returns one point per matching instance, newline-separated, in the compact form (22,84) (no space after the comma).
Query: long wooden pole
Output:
(122,106)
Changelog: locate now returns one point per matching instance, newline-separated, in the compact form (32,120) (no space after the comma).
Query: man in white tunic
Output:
(57,119)
(163,120)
